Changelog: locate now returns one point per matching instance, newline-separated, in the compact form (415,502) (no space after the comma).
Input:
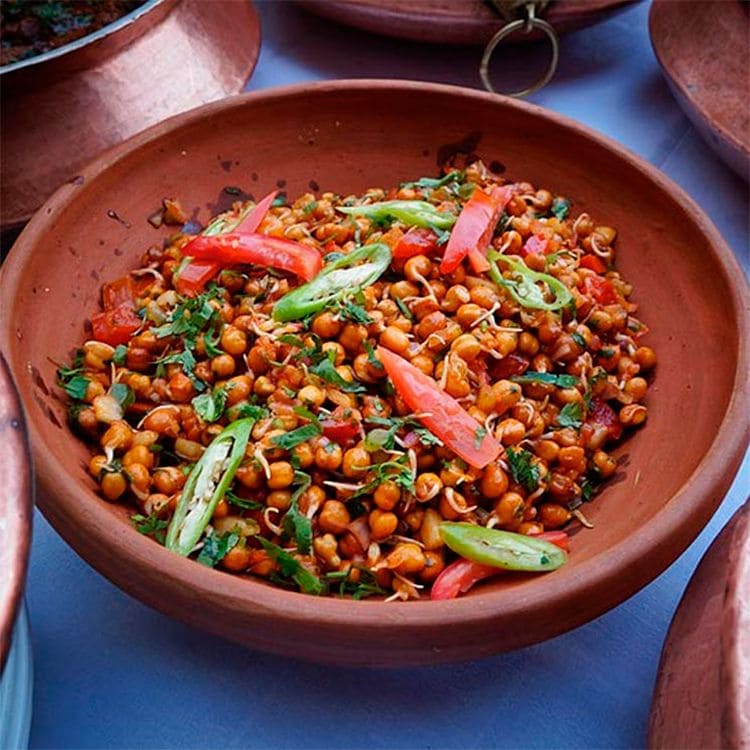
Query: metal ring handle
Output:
(528,25)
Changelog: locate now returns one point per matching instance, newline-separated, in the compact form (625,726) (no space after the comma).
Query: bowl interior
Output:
(346,137)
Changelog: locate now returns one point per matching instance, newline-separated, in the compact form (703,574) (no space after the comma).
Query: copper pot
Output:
(61,108)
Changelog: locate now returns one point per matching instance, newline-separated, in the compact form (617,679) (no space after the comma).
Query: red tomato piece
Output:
(119,292)
(115,326)
(601,413)
(257,249)
(417,241)
(442,414)
(592,263)
(340,432)
(472,232)
(255,218)
(513,364)
(458,577)
(601,290)
(194,276)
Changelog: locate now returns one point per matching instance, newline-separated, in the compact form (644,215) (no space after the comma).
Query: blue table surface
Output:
(111,672)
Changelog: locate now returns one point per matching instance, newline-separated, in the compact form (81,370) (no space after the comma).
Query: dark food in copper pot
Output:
(31,27)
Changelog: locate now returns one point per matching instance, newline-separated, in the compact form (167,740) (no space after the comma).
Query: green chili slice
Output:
(413,213)
(206,484)
(348,274)
(524,284)
(501,549)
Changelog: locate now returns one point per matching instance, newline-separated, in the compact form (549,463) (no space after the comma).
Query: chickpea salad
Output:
(394,394)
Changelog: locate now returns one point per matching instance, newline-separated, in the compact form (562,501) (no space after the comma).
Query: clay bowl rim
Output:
(681,518)
(127,20)
(17,504)
(673,76)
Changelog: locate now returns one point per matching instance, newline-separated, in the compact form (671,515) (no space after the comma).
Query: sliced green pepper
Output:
(524,287)
(205,486)
(343,276)
(413,213)
(501,549)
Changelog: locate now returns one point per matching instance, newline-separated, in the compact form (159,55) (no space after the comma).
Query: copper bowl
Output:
(332,136)
(63,107)
(15,506)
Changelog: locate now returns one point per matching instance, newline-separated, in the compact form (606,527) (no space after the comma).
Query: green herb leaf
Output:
(295,437)
(523,471)
(560,207)
(241,502)
(372,357)
(436,182)
(405,311)
(479,435)
(76,387)
(571,415)
(353,312)
(123,394)
(326,370)
(210,406)
(215,548)
(252,411)
(150,525)
(291,568)
(295,523)
(120,355)
(563,381)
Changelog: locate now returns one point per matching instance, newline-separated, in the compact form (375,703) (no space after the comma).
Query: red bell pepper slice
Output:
(115,326)
(535,245)
(443,415)
(340,432)
(196,274)
(458,577)
(473,230)
(257,249)
(601,413)
(417,241)
(602,290)
(592,263)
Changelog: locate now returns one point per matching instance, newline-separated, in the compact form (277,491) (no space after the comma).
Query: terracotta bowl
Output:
(63,107)
(702,694)
(15,506)
(335,136)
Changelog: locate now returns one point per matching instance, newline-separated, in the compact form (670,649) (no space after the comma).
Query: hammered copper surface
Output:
(703,48)
(327,136)
(61,109)
(15,507)
(702,693)
(448,21)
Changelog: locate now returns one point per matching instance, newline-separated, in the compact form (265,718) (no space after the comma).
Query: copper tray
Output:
(449,21)
(703,48)
(15,506)
(63,107)
(702,694)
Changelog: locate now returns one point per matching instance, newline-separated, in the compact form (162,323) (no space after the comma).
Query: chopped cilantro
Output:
(405,311)
(371,357)
(210,406)
(241,502)
(296,524)
(326,370)
(523,471)
(579,340)
(123,394)
(560,207)
(571,415)
(291,568)
(354,312)
(150,525)
(479,435)
(120,354)
(295,437)
(215,548)
(563,381)
(76,387)
(252,411)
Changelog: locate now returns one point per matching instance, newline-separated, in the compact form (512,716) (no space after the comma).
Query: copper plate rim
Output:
(84,41)
(681,86)
(680,520)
